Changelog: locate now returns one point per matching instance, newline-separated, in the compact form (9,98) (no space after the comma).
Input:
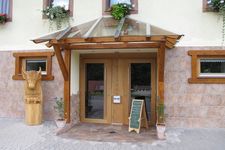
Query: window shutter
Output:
(4,7)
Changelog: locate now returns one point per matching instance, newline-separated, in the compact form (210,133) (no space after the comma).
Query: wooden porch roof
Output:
(106,32)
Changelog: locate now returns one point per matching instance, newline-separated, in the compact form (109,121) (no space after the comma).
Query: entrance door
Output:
(95,84)
(121,76)
(140,84)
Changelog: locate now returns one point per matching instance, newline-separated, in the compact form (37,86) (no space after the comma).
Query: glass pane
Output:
(106,27)
(80,30)
(133,27)
(141,84)
(35,64)
(94,99)
(112,2)
(62,3)
(212,66)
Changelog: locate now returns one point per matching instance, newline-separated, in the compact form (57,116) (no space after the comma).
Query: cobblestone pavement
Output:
(15,135)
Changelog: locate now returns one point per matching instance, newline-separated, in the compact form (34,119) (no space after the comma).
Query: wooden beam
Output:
(113,46)
(158,38)
(63,33)
(61,62)
(119,27)
(67,106)
(148,30)
(86,35)
(161,65)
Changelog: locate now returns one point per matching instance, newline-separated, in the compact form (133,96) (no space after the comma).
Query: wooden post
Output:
(161,64)
(64,65)
(67,58)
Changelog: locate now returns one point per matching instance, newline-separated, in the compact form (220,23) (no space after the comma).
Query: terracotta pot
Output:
(60,123)
(161,128)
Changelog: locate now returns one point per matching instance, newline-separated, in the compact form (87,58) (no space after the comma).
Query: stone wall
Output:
(191,105)
(75,109)
(11,91)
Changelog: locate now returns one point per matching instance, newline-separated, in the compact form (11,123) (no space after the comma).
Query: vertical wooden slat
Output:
(161,65)
(67,58)
(194,66)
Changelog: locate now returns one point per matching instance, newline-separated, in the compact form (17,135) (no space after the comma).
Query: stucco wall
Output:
(191,105)
(179,16)
(11,91)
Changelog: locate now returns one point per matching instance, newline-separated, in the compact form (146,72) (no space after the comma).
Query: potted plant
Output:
(58,15)
(160,125)
(59,110)
(120,10)
(2,18)
(219,6)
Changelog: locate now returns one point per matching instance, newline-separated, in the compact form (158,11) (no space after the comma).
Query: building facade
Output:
(193,94)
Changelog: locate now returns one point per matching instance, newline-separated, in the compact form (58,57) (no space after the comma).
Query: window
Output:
(35,64)
(108,3)
(6,9)
(208,66)
(32,61)
(212,67)
(68,4)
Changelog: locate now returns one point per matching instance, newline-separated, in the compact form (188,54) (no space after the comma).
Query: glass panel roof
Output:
(108,27)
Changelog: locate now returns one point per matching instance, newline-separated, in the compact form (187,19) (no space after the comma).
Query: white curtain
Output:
(112,2)
(4,6)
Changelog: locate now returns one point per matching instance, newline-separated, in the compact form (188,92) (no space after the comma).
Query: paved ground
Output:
(14,135)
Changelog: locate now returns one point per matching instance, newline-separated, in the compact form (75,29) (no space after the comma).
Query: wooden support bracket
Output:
(61,62)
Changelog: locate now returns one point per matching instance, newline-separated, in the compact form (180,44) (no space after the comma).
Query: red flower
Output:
(4,15)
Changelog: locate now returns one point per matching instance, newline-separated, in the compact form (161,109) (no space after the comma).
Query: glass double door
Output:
(126,79)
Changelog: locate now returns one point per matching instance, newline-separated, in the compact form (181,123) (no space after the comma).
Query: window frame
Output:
(105,9)
(21,57)
(46,4)
(196,55)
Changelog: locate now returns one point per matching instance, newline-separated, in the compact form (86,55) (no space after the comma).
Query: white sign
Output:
(116,99)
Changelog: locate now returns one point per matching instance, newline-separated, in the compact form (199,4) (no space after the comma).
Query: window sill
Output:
(108,12)
(44,77)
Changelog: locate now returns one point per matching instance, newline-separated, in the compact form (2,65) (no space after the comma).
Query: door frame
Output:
(127,105)
(107,86)
(149,57)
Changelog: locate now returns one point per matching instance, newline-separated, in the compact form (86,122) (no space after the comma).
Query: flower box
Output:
(3,18)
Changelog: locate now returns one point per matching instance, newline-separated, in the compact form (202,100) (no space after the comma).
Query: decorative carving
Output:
(33,97)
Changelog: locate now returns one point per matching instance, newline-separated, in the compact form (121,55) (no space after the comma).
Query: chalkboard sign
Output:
(135,118)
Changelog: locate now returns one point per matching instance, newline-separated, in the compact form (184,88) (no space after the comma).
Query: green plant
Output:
(219,6)
(120,10)
(57,15)
(59,107)
(160,113)
(2,18)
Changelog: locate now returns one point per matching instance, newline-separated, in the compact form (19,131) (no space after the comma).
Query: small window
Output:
(68,4)
(33,61)
(6,9)
(207,66)
(108,3)
(212,67)
(35,64)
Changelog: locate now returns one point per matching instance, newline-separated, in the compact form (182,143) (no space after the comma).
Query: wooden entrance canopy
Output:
(107,33)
